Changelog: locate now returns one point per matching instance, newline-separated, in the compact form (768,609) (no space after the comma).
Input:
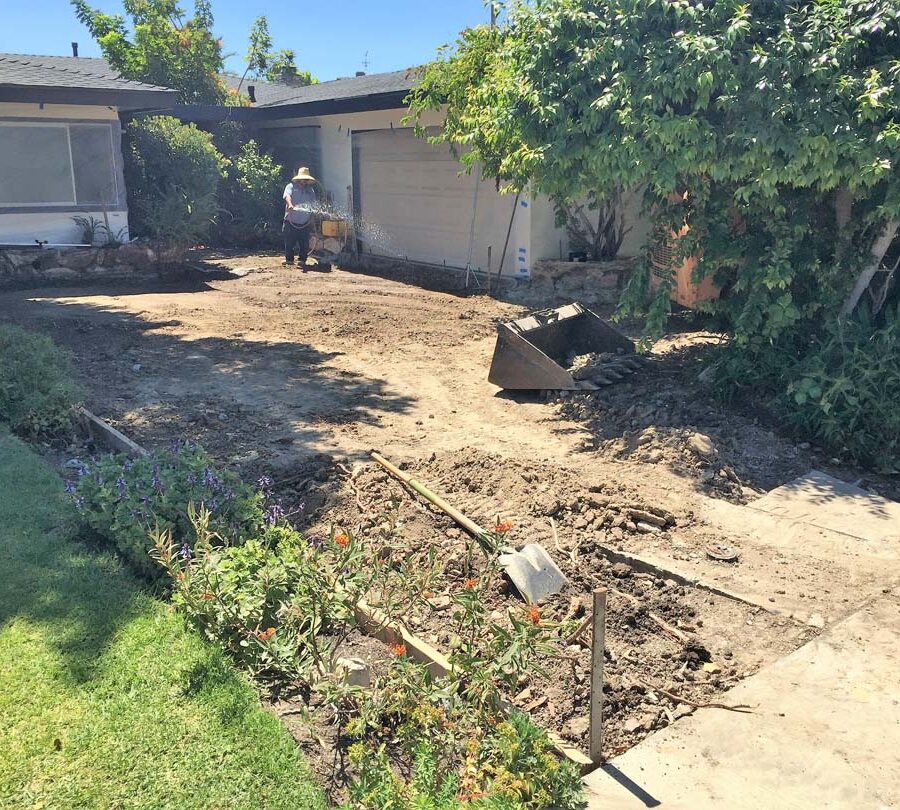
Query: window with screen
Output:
(56,164)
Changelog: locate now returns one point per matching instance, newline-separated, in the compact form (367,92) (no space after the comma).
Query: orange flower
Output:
(503,528)
(342,540)
(470,584)
(207,595)
(265,635)
(534,616)
(180,576)
(398,649)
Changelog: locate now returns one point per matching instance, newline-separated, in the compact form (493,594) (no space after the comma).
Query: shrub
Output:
(126,500)
(282,604)
(249,198)
(510,766)
(172,172)
(846,391)
(37,388)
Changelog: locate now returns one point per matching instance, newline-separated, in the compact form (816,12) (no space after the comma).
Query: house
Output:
(409,195)
(60,145)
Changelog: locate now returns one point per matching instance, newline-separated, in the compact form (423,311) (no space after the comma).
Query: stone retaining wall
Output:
(593,283)
(30,267)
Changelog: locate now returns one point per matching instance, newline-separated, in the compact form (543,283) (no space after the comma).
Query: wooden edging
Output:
(107,435)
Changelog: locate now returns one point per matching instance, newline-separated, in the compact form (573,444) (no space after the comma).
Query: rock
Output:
(702,445)
(647,528)
(654,456)
(581,522)
(682,710)
(816,620)
(635,724)
(621,570)
(440,602)
(354,671)
(136,367)
(711,667)
(576,728)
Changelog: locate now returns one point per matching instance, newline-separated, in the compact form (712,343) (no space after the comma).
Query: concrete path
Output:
(826,733)
(820,500)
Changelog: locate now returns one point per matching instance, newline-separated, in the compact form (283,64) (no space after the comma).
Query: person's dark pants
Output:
(296,240)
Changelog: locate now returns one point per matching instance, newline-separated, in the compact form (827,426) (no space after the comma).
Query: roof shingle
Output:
(271,94)
(25,70)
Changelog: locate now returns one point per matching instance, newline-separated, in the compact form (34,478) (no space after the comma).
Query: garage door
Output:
(414,204)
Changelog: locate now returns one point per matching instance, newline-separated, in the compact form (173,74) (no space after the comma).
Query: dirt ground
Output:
(299,375)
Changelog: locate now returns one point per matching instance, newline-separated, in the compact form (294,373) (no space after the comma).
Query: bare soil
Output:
(731,638)
(298,375)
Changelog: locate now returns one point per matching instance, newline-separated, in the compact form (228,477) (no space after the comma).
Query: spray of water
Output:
(368,232)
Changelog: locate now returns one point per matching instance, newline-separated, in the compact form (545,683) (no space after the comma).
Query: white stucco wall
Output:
(55,225)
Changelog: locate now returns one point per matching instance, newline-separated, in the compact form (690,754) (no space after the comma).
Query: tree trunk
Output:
(879,248)
(843,210)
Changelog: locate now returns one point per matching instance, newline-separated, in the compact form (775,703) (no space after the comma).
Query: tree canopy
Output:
(271,65)
(776,123)
(162,47)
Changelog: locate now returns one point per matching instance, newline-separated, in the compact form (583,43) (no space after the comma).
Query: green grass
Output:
(107,699)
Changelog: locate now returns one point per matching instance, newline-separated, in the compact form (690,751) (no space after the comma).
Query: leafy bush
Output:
(510,766)
(839,389)
(37,388)
(127,500)
(846,391)
(283,604)
(249,198)
(172,172)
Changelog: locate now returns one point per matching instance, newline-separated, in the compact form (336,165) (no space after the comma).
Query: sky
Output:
(330,37)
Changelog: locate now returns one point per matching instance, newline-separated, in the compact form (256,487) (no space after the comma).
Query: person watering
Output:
(299,204)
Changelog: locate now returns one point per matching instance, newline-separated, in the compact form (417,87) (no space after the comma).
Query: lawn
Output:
(107,699)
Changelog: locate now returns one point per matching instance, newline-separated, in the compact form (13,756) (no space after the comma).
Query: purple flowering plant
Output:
(125,500)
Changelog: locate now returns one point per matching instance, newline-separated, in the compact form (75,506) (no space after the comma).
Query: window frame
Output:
(75,203)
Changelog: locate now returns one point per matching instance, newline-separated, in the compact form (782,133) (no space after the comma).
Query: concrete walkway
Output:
(826,733)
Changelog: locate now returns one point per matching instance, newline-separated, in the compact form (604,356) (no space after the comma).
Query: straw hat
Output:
(303,174)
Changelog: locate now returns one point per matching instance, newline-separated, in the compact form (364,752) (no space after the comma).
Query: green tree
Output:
(777,124)
(162,46)
(273,66)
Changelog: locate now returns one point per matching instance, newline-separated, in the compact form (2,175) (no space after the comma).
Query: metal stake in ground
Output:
(598,642)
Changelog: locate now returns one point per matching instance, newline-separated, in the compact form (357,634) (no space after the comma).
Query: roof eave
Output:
(124,99)
(376,101)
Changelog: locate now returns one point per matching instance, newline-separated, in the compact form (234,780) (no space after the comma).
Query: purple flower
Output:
(265,484)
(175,446)
(210,480)
(70,487)
(122,487)
(213,505)
(274,514)
(316,541)
(185,552)
(79,503)
(156,482)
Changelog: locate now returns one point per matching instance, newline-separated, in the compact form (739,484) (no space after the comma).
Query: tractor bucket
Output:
(533,352)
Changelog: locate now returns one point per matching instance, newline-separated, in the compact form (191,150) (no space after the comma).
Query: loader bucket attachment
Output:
(532,353)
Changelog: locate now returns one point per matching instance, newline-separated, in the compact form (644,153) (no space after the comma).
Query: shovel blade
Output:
(533,572)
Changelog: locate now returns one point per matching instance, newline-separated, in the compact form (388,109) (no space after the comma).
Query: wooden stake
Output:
(597,645)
